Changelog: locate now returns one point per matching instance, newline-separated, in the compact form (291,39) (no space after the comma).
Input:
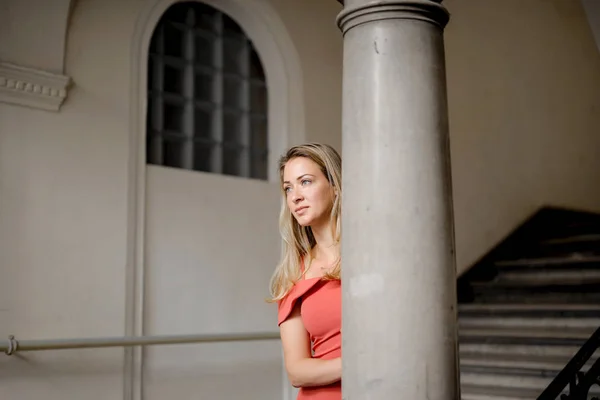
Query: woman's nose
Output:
(296,197)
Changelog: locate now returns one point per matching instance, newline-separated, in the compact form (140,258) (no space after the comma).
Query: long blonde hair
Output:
(298,241)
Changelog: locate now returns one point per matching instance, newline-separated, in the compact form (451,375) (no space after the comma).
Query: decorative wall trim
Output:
(31,87)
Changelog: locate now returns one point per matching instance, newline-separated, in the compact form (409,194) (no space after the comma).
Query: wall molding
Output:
(32,87)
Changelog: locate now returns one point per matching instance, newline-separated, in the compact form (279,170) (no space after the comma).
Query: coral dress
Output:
(321,309)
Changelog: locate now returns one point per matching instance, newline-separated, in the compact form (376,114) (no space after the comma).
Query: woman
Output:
(306,283)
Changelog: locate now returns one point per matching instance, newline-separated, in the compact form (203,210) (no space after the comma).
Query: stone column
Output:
(399,326)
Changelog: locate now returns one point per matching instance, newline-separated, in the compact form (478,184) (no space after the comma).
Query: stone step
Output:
(574,234)
(499,285)
(547,277)
(540,332)
(516,297)
(489,395)
(532,335)
(582,238)
(544,365)
(574,259)
(561,224)
(526,307)
(533,310)
(541,296)
(563,246)
(519,351)
(489,292)
(469,392)
(492,322)
(544,267)
(506,383)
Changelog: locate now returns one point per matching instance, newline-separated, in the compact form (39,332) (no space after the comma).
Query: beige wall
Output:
(321,47)
(524,90)
(524,102)
(26,24)
(211,244)
(64,181)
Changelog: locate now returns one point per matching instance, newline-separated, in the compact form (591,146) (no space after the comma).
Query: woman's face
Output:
(308,193)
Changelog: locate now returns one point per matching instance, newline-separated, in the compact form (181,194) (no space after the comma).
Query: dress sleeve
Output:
(286,305)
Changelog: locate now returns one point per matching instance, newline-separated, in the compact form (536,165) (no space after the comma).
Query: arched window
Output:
(207,95)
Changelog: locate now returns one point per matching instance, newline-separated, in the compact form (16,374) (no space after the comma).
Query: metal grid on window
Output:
(207,95)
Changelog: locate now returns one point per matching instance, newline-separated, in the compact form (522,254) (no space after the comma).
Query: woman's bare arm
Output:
(302,369)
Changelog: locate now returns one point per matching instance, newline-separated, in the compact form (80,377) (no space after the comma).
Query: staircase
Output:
(528,306)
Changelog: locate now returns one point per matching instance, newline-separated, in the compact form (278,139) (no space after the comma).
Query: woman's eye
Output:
(287,189)
(305,181)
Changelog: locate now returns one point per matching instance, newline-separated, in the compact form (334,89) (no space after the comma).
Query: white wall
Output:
(25,25)
(64,186)
(524,91)
(211,244)
(524,95)
(319,41)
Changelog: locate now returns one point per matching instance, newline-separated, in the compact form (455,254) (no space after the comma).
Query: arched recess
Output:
(281,64)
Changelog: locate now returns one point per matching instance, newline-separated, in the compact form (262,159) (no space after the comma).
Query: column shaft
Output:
(398,274)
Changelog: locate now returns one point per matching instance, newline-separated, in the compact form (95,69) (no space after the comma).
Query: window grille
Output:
(207,95)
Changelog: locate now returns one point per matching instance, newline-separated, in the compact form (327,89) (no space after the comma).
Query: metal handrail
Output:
(570,375)
(13,345)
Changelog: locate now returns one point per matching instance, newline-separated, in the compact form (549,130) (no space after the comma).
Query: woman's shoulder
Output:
(287,303)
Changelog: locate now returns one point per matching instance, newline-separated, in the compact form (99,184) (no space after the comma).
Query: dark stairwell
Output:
(529,305)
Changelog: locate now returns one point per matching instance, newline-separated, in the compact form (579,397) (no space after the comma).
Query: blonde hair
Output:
(298,241)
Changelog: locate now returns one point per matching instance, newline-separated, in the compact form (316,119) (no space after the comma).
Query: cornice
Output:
(31,87)
(430,11)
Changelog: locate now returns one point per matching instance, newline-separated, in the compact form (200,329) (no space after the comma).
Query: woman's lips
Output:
(301,210)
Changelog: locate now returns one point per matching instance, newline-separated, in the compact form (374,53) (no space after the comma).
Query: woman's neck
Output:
(325,249)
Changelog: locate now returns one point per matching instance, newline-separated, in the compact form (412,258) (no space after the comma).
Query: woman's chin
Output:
(303,221)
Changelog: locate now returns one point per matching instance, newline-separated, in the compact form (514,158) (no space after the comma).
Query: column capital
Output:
(431,11)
